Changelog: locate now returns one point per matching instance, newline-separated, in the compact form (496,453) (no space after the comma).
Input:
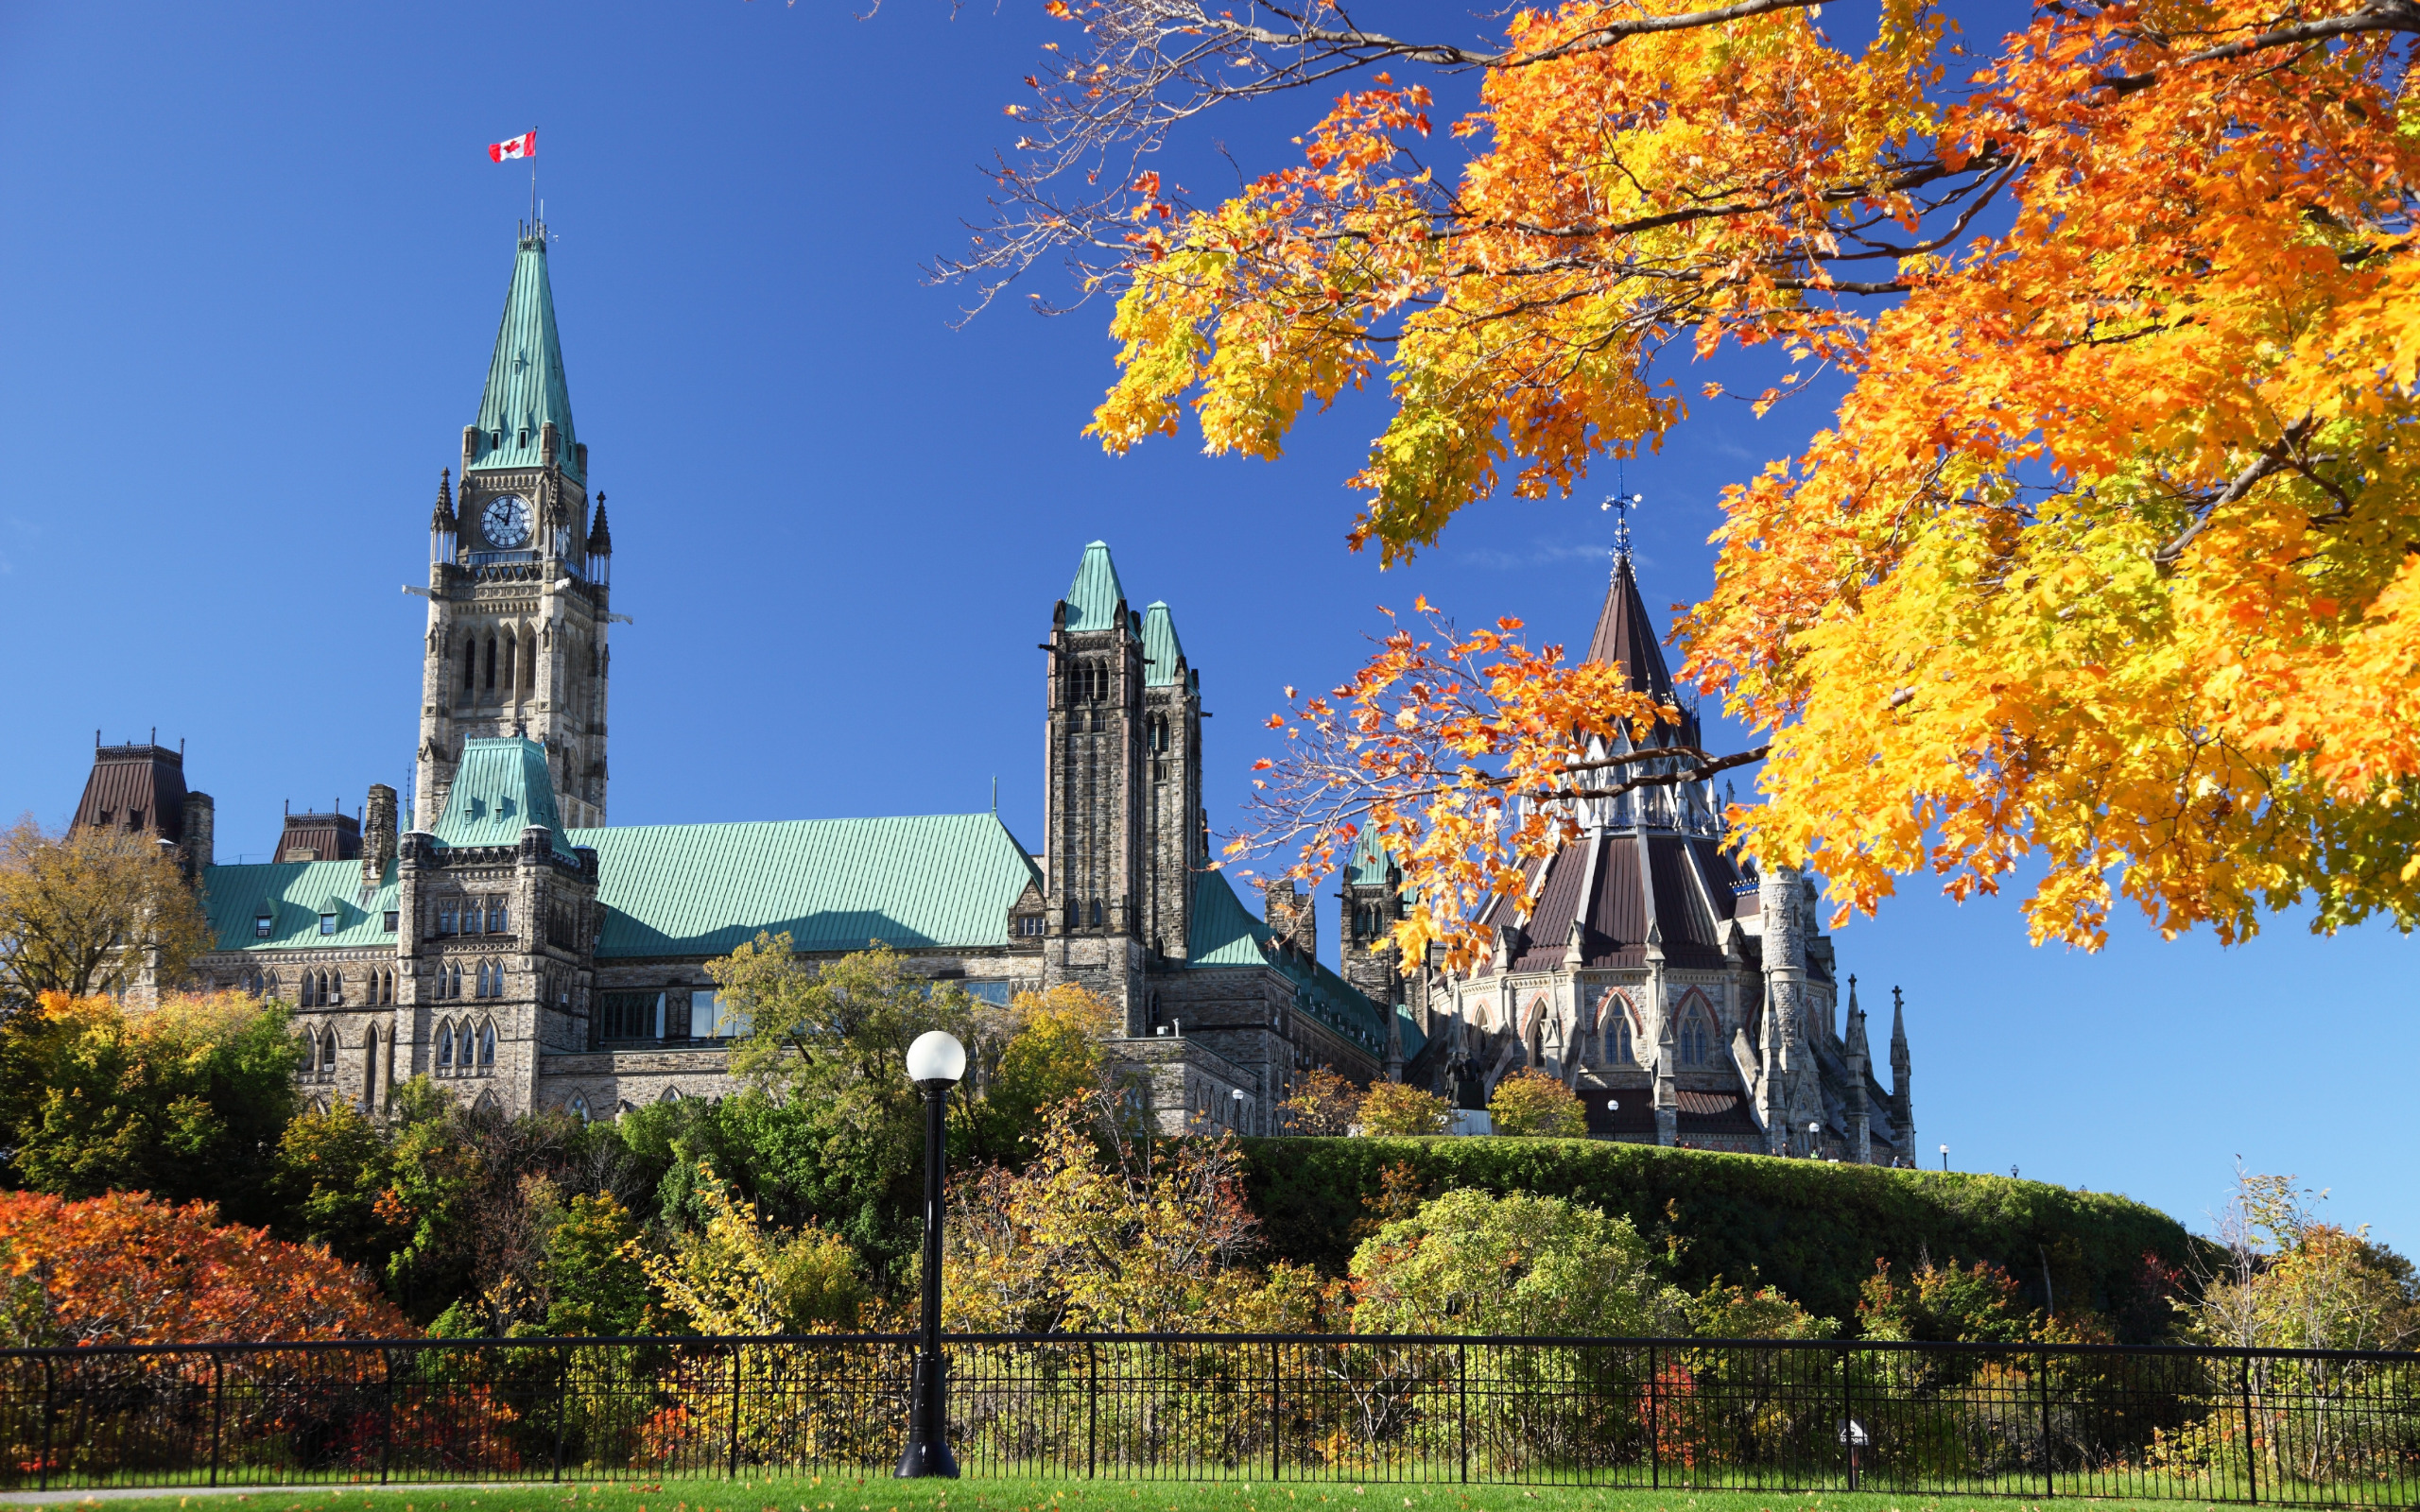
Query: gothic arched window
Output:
(463,1045)
(446,1045)
(1096,915)
(1621,1042)
(470,666)
(1696,1039)
(509,646)
(336,987)
(487,1045)
(491,662)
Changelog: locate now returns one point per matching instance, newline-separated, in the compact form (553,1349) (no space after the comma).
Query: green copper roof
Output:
(1162,650)
(1367,866)
(296,892)
(700,890)
(525,385)
(1094,596)
(1223,934)
(501,788)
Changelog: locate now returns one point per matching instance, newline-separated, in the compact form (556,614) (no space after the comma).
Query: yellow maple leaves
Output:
(2110,560)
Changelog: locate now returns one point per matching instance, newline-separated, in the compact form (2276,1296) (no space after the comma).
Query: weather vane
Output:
(1621,504)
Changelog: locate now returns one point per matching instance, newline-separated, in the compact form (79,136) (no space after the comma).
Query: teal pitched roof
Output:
(1367,866)
(297,892)
(701,890)
(1094,596)
(1162,650)
(1224,934)
(526,387)
(501,788)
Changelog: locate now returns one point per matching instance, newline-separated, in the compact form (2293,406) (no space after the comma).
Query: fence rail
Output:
(2287,1427)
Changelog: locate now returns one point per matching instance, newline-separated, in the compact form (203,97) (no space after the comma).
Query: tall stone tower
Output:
(1098,926)
(1176,844)
(517,594)
(1373,901)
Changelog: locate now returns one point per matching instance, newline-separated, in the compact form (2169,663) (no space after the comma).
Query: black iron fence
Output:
(2297,1427)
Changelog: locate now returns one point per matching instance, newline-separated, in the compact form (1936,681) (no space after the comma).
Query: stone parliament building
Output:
(509,942)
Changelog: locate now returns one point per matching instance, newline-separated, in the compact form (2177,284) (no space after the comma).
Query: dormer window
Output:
(393,916)
(328,923)
(262,923)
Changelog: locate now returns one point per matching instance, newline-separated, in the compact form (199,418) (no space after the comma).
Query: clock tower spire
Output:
(516,617)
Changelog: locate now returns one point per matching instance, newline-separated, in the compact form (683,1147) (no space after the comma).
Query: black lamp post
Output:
(935,1062)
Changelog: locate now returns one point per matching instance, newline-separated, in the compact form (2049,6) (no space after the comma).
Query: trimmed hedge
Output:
(1812,1229)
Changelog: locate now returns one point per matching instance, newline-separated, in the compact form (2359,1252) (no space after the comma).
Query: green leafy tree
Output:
(1531,1105)
(595,1282)
(479,1194)
(831,1128)
(1472,1263)
(186,1101)
(333,1166)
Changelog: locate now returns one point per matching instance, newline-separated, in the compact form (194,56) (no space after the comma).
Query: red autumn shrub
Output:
(121,1268)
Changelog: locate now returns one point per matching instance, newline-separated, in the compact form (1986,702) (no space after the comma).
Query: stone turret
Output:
(1903,1115)
(377,834)
(1860,1125)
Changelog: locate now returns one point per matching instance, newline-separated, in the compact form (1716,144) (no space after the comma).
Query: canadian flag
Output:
(523,146)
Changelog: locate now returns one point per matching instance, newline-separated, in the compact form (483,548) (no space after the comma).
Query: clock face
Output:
(506,521)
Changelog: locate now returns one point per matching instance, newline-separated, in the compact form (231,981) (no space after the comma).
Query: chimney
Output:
(1291,918)
(202,833)
(377,833)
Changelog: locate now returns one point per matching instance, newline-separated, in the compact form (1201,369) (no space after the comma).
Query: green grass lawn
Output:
(877,1494)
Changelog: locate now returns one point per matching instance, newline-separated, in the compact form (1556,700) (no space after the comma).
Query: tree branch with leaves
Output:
(2107,558)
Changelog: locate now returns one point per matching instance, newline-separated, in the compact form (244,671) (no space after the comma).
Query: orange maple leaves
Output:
(1463,753)
(124,1269)
(2108,559)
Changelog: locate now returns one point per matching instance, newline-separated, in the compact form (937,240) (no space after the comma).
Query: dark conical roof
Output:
(601,542)
(1625,635)
(442,518)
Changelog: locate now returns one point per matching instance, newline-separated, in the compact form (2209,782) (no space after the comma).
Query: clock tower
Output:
(517,581)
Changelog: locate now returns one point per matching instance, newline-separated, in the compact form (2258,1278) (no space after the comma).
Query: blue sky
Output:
(251,267)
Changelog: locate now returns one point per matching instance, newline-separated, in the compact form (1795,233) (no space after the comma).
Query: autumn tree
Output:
(1053,1052)
(1391,1108)
(2289,1280)
(2104,555)
(124,1268)
(1532,1104)
(1110,1228)
(185,1101)
(91,910)
(1321,1102)
(734,1274)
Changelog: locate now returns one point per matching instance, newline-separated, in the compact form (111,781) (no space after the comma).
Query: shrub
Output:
(1530,1103)
(122,1268)
(1812,1228)
(1470,1263)
(1393,1109)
